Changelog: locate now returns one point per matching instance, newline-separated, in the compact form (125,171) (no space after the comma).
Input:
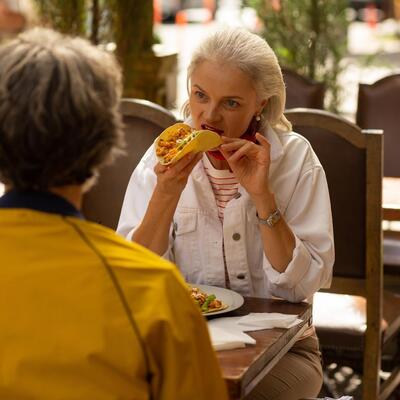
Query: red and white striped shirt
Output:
(224,185)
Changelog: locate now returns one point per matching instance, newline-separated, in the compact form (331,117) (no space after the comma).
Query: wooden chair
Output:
(143,121)
(302,91)
(378,108)
(358,318)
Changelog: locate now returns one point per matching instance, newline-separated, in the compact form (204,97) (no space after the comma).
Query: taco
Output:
(180,139)
(208,303)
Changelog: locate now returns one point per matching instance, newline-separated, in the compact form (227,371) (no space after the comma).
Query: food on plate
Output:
(180,139)
(208,303)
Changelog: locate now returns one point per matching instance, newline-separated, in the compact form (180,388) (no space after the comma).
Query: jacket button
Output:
(236,236)
(238,195)
(241,276)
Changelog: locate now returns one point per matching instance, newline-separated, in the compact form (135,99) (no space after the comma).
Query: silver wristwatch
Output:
(271,220)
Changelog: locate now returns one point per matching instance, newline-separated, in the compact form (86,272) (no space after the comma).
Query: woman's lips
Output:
(211,128)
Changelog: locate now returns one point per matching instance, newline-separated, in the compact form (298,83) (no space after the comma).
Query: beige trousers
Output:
(297,375)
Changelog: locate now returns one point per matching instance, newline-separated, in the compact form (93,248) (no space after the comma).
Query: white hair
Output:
(252,55)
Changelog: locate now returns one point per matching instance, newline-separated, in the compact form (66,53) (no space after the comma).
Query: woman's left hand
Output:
(249,162)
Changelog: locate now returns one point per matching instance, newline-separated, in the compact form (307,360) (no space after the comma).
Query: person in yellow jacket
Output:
(84,314)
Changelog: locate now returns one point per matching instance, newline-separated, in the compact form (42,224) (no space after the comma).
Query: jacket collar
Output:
(39,201)
(275,142)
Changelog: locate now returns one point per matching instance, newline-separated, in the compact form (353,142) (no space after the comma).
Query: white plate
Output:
(232,299)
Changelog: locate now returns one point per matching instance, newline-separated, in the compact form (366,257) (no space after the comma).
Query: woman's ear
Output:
(262,104)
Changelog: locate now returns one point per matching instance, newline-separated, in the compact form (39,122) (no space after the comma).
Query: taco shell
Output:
(211,310)
(180,139)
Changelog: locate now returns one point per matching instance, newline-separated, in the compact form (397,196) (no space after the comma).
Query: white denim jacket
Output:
(196,236)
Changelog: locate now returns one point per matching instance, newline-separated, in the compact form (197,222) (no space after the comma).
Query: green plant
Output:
(308,36)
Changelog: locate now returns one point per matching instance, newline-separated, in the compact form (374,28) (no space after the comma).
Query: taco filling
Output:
(207,302)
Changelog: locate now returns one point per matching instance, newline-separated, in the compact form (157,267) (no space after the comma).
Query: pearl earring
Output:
(258,118)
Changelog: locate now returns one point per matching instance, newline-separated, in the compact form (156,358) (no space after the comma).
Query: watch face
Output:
(274,218)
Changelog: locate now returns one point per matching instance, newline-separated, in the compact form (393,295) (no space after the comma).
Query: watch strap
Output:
(271,220)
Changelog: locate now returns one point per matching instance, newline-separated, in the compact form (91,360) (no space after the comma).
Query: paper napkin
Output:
(228,332)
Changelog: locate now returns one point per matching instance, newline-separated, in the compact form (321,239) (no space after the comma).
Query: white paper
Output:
(223,339)
(255,321)
(228,332)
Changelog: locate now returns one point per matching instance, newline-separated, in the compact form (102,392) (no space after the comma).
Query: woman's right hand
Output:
(153,231)
(172,179)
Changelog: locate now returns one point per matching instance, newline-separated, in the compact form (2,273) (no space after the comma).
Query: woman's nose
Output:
(211,113)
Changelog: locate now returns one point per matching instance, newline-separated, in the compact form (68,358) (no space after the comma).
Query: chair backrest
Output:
(352,161)
(143,122)
(302,91)
(378,108)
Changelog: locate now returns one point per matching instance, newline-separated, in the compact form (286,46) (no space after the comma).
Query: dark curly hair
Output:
(59,117)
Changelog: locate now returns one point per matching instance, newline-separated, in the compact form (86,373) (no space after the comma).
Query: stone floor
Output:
(343,381)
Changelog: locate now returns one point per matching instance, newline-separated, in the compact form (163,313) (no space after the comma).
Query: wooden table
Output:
(244,368)
(391,199)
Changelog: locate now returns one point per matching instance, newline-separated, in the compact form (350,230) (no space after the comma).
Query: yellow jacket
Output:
(86,315)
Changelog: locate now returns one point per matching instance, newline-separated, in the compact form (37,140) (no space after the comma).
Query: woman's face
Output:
(223,99)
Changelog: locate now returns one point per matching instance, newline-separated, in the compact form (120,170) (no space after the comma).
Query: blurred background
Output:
(338,42)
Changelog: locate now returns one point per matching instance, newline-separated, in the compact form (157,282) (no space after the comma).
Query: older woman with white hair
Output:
(253,215)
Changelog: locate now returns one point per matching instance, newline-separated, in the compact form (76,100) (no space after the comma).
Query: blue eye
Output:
(232,103)
(199,95)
